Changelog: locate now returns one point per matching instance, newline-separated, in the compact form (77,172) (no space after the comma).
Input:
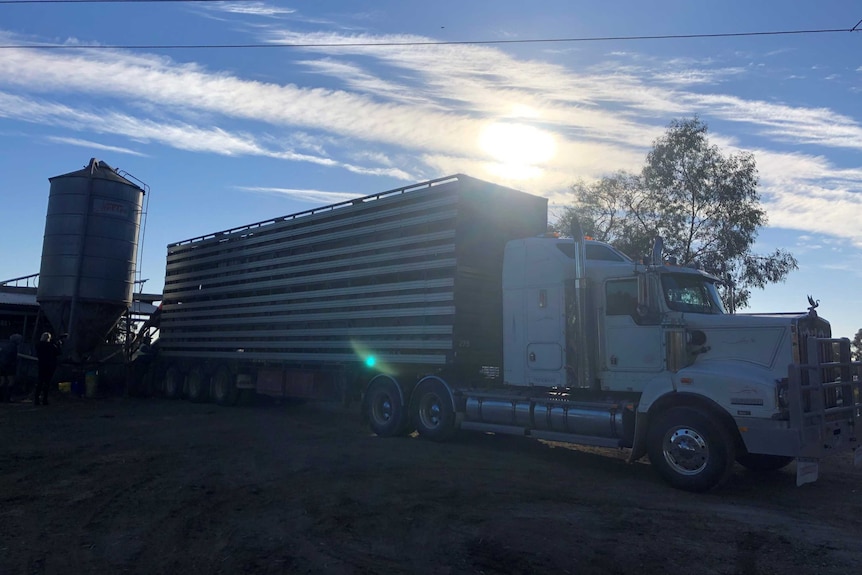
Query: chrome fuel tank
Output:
(591,419)
(500,411)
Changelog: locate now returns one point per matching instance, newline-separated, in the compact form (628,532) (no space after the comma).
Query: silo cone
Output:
(87,275)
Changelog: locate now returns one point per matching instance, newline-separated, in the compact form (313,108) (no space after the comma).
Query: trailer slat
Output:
(415,270)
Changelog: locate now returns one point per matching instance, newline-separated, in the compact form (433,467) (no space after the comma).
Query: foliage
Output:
(703,203)
(856,346)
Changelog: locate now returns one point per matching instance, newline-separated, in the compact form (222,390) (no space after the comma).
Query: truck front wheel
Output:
(690,449)
(384,407)
(433,413)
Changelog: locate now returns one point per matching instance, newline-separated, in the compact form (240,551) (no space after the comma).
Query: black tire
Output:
(764,463)
(174,381)
(432,408)
(224,391)
(690,449)
(198,385)
(384,407)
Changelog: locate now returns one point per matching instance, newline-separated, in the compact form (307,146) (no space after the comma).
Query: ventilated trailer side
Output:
(406,282)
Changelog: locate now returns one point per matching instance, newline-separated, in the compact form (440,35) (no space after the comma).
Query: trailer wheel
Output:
(224,391)
(690,449)
(384,407)
(433,410)
(174,381)
(198,385)
(763,462)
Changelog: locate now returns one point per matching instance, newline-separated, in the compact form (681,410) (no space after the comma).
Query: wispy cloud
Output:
(250,8)
(311,196)
(93,145)
(693,76)
(427,106)
(177,135)
(807,193)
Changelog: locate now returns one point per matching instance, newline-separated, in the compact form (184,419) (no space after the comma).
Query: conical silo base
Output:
(92,323)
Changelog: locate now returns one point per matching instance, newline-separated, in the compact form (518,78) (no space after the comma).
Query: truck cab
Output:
(704,387)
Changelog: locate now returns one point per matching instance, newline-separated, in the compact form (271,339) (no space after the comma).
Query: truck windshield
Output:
(691,293)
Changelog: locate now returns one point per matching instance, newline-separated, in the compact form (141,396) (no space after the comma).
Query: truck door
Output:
(545,336)
(629,347)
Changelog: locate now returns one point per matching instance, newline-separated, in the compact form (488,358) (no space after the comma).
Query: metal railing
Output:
(825,397)
(16,282)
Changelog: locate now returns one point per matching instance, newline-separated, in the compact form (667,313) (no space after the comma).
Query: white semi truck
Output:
(447,306)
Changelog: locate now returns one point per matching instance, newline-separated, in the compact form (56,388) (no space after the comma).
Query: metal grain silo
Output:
(87,275)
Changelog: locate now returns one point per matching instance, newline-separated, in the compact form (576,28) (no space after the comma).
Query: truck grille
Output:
(802,329)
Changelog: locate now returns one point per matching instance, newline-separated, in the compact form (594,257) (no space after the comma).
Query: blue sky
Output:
(225,137)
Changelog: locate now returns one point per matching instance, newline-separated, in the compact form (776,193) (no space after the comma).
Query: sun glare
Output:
(518,149)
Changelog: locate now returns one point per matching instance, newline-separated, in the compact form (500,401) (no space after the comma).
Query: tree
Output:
(856,346)
(703,203)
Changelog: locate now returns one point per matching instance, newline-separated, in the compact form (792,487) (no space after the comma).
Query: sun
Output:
(519,150)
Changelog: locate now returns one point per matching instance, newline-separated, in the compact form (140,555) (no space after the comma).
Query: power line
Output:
(111,1)
(411,43)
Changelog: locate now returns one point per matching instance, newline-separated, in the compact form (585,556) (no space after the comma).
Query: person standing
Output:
(9,367)
(47,352)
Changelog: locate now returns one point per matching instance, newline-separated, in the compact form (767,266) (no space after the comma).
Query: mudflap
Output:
(807,470)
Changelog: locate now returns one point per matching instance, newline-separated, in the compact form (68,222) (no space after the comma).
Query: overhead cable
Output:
(414,43)
(112,1)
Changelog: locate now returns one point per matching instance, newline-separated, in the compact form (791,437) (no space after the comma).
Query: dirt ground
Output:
(158,486)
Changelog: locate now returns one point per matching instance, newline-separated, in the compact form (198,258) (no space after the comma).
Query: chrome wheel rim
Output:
(381,408)
(430,411)
(686,451)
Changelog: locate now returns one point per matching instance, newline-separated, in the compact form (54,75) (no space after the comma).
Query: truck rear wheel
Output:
(174,381)
(690,449)
(198,385)
(224,390)
(432,410)
(384,407)
(762,462)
